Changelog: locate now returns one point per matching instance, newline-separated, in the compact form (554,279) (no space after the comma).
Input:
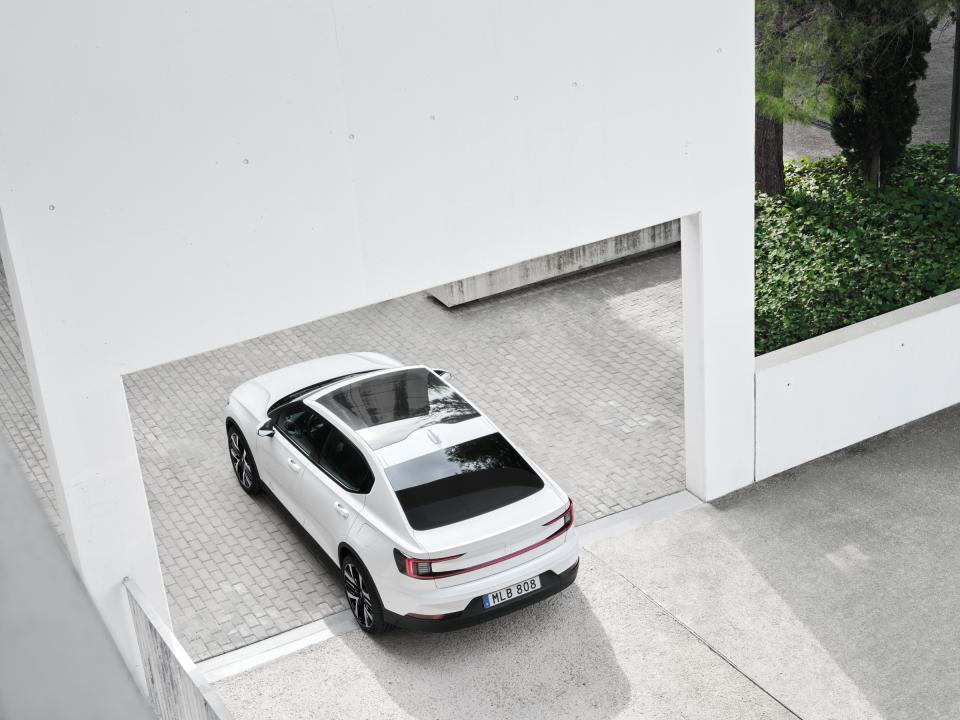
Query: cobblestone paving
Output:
(585,373)
(18,418)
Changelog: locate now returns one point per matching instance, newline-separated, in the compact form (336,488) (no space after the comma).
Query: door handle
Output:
(293,464)
(341,509)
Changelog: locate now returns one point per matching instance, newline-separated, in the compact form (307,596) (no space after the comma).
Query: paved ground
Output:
(832,585)
(933,94)
(598,650)
(826,592)
(585,373)
(18,417)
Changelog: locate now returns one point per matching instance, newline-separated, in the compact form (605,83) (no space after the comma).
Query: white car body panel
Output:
(430,438)
(494,535)
(407,597)
(261,392)
(372,525)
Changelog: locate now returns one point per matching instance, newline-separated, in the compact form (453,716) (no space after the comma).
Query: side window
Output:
(303,427)
(345,463)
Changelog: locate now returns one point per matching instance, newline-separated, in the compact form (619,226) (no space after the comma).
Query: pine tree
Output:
(878,50)
(823,58)
(790,54)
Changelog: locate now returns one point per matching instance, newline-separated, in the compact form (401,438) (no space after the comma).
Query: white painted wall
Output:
(831,391)
(222,169)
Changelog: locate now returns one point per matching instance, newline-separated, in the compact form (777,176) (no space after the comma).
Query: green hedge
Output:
(832,251)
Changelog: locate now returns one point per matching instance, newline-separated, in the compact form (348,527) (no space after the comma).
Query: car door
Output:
(334,490)
(284,455)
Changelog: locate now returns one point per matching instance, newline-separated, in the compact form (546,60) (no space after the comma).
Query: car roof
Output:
(281,386)
(402,413)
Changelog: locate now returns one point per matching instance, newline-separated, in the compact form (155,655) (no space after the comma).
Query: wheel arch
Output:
(343,549)
(231,423)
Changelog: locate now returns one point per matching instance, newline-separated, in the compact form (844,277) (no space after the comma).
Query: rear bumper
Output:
(475,613)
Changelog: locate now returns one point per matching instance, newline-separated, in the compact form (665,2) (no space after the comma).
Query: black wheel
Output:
(242,461)
(362,596)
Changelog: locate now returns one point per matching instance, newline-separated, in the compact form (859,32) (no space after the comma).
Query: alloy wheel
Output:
(358,595)
(238,456)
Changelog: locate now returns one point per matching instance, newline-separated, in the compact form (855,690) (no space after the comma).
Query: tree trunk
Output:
(873,172)
(768,155)
(955,105)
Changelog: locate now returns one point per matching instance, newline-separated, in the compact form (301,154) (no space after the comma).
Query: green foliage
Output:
(879,49)
(833,251)
(799,74)
(790,58)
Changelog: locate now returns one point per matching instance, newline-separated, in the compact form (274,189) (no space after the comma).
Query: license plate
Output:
(511,591)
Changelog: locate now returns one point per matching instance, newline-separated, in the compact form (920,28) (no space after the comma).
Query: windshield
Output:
(461,482)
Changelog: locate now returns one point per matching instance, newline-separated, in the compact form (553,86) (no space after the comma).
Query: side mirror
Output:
(266,430)
(444,374)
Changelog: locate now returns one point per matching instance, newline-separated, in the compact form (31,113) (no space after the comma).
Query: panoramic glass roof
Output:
(410,399)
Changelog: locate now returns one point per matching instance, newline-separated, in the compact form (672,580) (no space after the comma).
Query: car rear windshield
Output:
(462,482)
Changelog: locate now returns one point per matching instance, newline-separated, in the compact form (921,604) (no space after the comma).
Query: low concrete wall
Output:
(57,658)
(826,393)
(557,264)
(176,689)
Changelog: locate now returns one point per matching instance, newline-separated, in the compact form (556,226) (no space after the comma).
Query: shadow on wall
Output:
(552,659)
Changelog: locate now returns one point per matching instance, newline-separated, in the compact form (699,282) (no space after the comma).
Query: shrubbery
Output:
(833,251)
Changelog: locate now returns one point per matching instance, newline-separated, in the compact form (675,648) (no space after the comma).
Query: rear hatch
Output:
(495,541)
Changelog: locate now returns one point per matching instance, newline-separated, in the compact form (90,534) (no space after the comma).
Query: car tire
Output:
(362,596)
(241,460)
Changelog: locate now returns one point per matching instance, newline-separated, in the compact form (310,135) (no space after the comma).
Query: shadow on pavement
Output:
(863,547)
(551,659)
(832,586)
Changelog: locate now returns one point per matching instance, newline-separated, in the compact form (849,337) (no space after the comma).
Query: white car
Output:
(435,519)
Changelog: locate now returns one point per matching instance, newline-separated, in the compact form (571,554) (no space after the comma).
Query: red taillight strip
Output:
(472,568)
(411,565)
(555,535)
(568,509)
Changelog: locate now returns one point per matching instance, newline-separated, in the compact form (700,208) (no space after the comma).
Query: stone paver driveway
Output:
(585,373)
(18,418)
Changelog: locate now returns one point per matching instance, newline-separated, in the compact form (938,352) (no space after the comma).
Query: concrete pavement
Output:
(833,585)
(826,592)
(598,650)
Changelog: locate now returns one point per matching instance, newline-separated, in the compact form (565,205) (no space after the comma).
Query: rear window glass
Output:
(462,482)
(415,393)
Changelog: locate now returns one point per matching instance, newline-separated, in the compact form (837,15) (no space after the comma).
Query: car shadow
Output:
(549,659)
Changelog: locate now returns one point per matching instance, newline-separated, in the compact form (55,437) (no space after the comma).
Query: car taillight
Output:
(566,516)
(417,567)
(422,569)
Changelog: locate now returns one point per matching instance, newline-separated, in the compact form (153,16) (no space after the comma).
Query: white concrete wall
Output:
(558,264)
(176,688)
(176,176)
(831,391)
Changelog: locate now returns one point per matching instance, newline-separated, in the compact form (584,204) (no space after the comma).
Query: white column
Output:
(94,467)
(718,306)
